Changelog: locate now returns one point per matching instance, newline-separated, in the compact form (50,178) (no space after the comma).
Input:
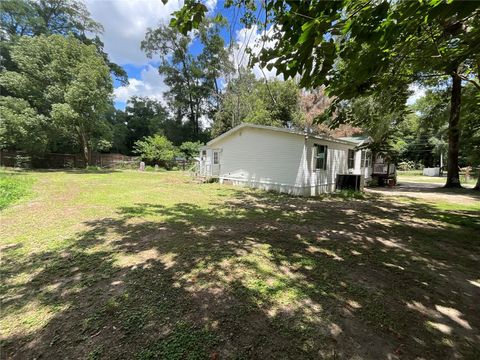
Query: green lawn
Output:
(417,176)
(123,265)
(13,187)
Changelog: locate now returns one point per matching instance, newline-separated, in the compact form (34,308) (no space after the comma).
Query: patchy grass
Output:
(105,265)
(184,342)
(13,187)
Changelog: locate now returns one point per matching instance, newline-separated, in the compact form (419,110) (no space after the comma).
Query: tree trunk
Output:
(453,177)
(85,149)
(477,186)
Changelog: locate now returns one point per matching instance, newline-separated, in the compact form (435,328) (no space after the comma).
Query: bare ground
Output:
(430,191)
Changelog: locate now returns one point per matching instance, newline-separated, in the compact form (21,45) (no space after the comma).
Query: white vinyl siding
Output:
(280,161)
(324,180)
(360,162)
(257,155)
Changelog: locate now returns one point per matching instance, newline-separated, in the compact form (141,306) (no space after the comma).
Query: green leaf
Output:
(307,30)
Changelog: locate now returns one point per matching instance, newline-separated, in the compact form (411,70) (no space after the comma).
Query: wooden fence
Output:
(60,161)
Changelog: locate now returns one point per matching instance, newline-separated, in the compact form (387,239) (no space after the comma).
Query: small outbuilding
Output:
(281,159)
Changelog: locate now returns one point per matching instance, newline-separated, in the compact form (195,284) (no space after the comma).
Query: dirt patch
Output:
(429,191)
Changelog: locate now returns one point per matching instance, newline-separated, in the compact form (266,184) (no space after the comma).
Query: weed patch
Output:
(13,187)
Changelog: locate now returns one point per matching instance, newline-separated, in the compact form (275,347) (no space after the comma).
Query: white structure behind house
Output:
(431,171)
(279,159)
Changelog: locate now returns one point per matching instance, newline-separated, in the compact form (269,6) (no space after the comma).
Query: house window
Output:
(351,159)
(215,158)
(368,157)
(362,161)
(204,155)
(321,157)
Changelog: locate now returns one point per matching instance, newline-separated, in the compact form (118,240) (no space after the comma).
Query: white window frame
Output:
(351,161)
(317,157)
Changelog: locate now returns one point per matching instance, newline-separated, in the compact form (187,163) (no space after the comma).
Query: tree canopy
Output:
(48,17)
(247,99)
(61,88)
(193,80)
(362,47)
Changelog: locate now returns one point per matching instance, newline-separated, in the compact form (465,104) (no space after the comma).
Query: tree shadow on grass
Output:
(258,275)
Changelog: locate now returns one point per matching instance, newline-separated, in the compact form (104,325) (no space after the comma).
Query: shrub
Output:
(156,149)
(190,149)
(406,166)
(93,168)
(373,182)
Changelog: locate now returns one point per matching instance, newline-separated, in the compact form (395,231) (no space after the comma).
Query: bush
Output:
(406,166)
(93,168)
(156,149)
(409,166)
(373,182)
(190,149)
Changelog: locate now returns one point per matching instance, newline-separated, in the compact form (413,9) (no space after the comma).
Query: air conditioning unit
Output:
(349,182)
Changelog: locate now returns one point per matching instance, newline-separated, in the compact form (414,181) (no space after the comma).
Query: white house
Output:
(281,159)
(363,157)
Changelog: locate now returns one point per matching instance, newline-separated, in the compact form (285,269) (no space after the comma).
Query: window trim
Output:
(368,156)
(317,157)
(351,159)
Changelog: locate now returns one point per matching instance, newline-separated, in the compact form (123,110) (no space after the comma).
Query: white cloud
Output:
(211,5)
(125,23)
(418,92)
(150,84)
(252,39)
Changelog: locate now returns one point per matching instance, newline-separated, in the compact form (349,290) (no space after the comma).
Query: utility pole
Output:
(441,163)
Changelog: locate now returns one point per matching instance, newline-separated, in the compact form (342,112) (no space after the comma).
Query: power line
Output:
(232,28)
(250,36)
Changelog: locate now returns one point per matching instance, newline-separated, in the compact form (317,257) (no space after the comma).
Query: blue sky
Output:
(125,23)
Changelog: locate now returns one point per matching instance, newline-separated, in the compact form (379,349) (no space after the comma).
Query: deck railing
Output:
(207,170)
(383,169)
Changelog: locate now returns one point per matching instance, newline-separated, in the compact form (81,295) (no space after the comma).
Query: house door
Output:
(216,162)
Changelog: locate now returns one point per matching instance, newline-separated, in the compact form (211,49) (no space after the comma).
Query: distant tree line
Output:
(56,83)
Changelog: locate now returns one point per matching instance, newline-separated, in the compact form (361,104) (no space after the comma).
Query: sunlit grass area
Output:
(417,176)
(152,266)
(13,187)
